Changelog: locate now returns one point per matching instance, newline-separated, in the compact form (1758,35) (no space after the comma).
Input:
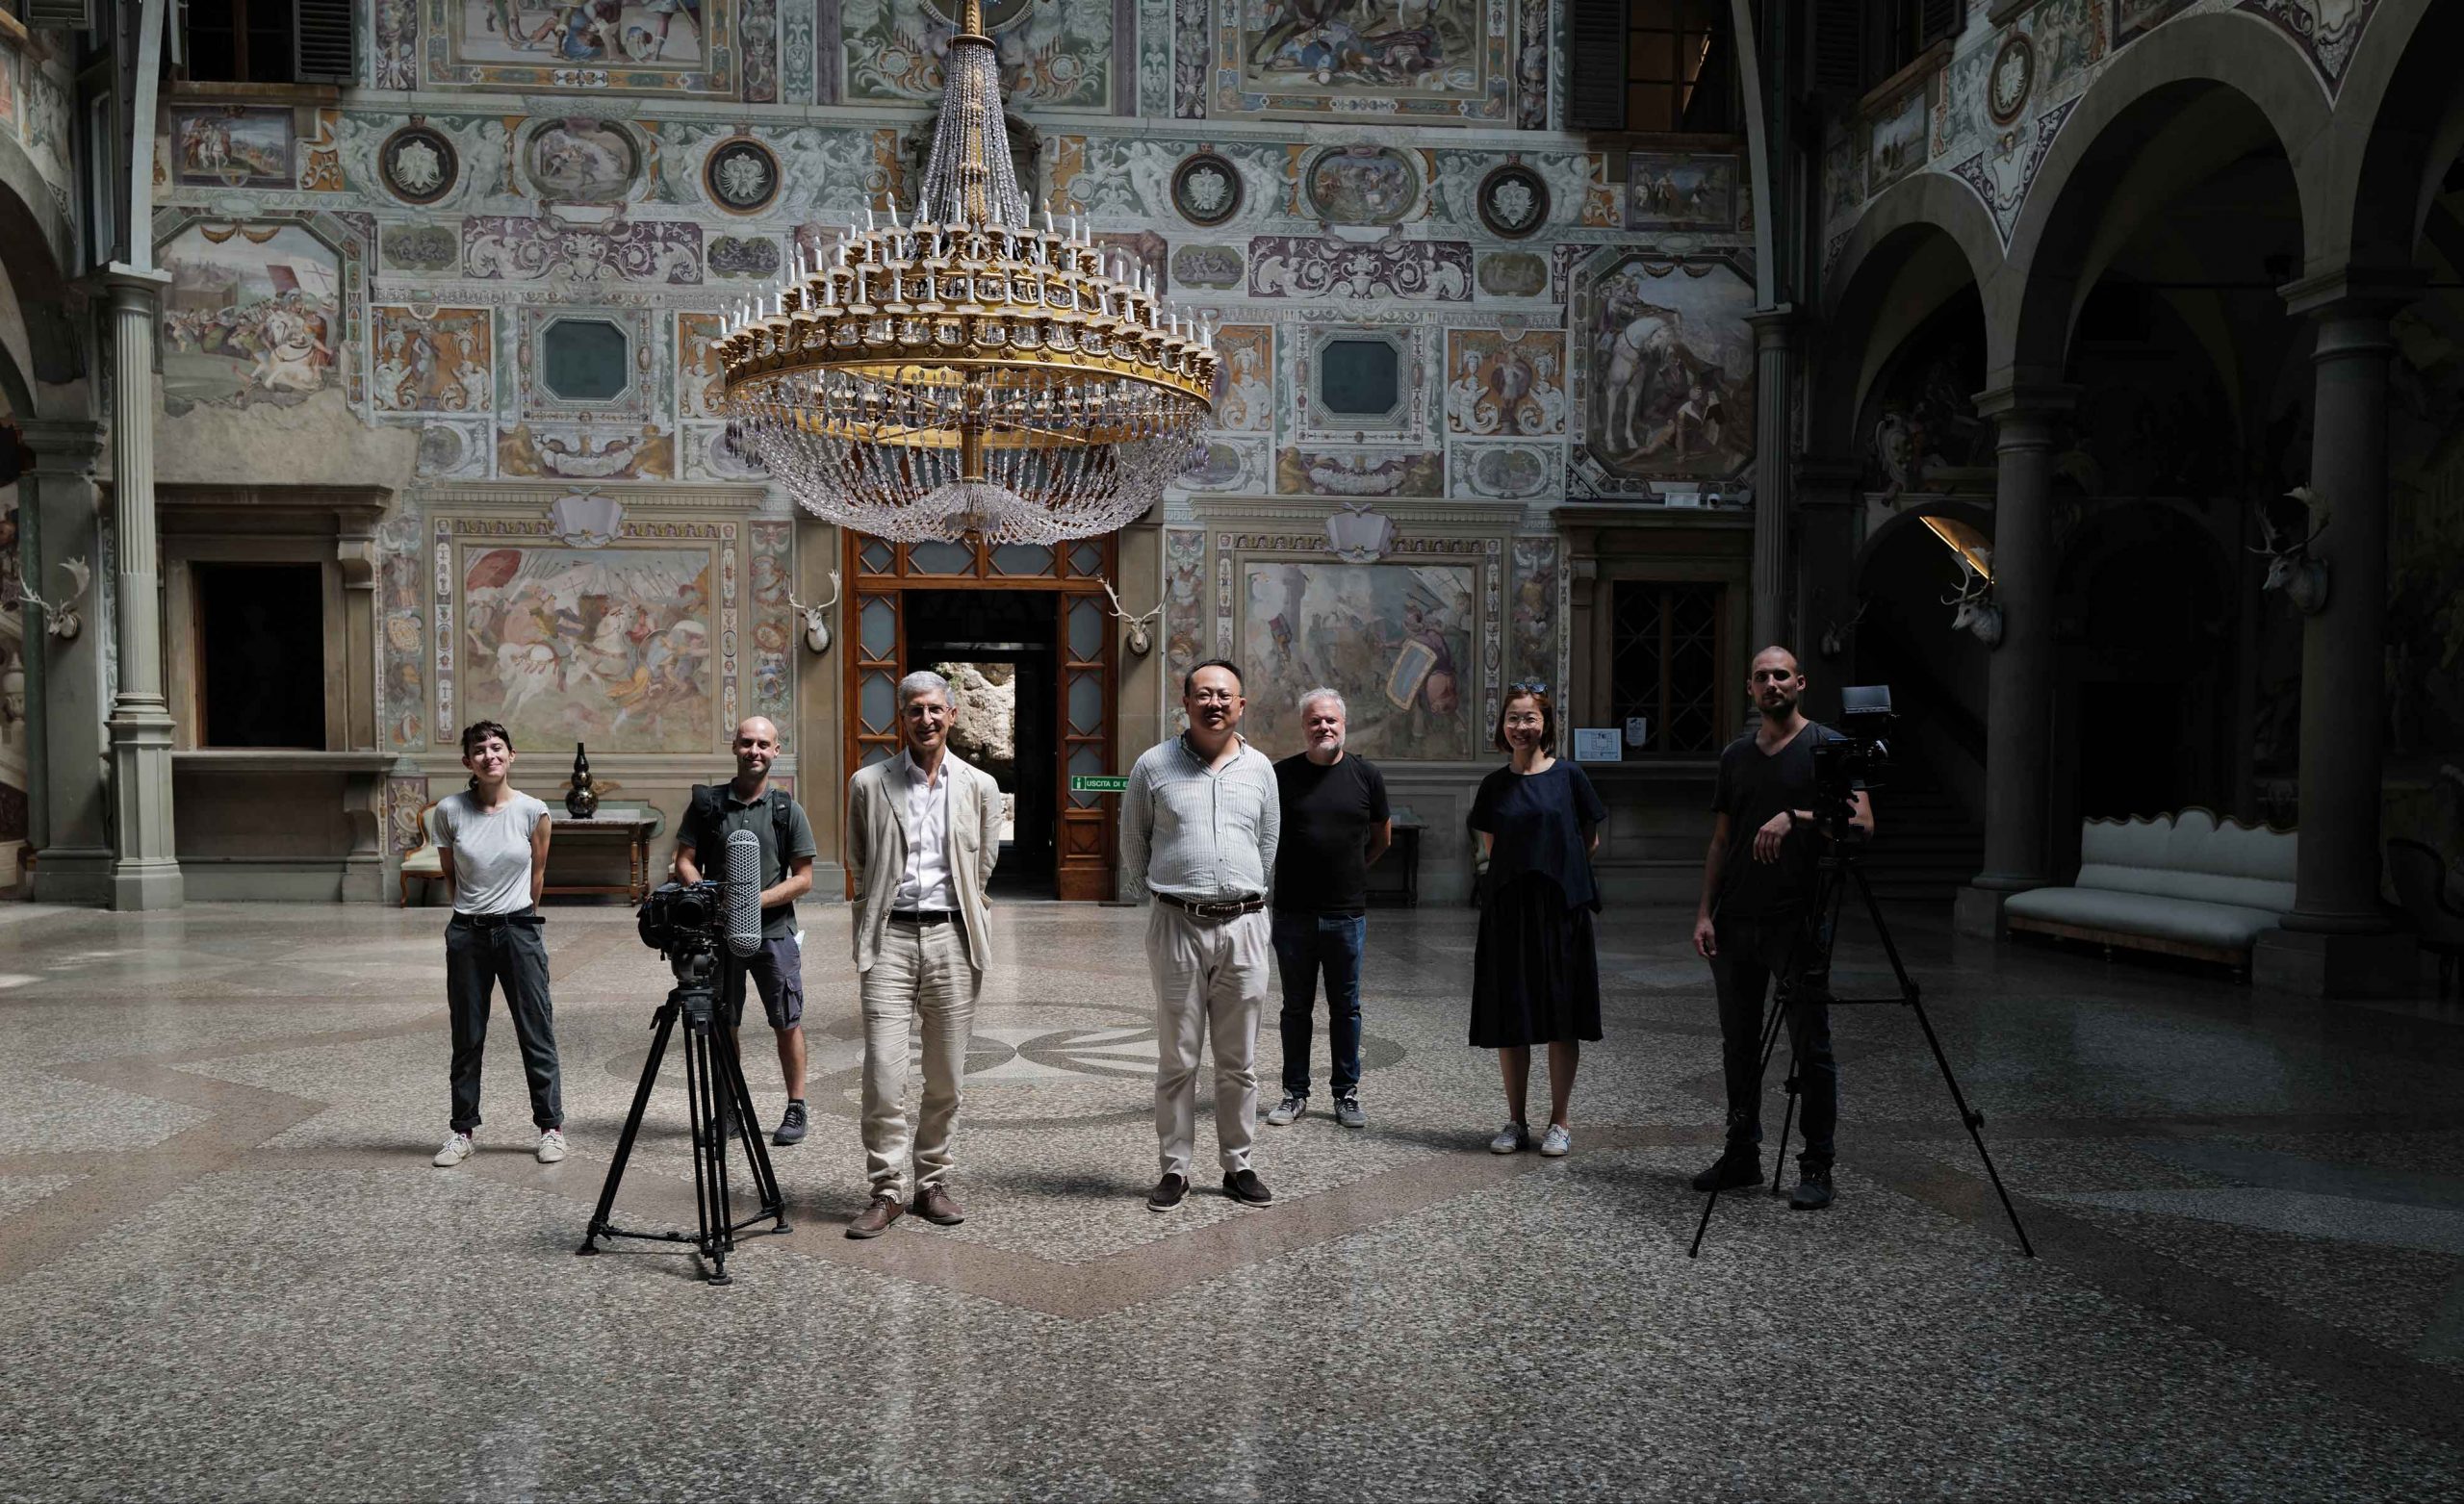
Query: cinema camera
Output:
(682,918)
(1859,758)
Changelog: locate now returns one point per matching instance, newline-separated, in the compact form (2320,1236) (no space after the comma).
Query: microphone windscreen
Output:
(743,893)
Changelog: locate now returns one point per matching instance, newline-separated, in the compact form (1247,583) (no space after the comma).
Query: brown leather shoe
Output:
(938,1206)
(875,1219)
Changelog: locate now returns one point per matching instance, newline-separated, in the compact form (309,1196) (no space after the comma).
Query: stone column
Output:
(2019,718)
(57,511)
(2340,940)
(1825,507)
(146,873)
(1774,445)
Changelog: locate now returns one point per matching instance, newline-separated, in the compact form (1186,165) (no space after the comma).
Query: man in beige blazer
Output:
(923,831)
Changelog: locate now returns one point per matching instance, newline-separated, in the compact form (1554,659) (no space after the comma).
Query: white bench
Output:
(2180,884)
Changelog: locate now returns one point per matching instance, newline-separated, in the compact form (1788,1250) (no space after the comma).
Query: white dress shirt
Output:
(926,884)
(1199,832)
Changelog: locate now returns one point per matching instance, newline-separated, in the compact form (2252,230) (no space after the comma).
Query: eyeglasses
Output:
(1534,687)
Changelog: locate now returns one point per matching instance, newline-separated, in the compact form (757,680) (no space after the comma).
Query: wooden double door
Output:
(1040,608)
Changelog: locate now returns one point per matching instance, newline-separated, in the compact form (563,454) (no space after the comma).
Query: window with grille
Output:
(1664,664)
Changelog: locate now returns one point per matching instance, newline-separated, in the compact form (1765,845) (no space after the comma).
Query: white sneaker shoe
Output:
(457,1149)
(552,1146)
(1556,1140)
(1512,1139)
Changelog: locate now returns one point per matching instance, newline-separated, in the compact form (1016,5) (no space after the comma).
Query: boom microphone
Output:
(743,893)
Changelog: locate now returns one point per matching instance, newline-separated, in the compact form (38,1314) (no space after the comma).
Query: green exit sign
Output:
(1098,782)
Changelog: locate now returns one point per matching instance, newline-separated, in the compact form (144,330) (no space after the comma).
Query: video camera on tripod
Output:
(689,924)
(1857,759)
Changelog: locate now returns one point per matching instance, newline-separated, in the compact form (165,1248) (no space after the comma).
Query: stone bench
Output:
(2180,884)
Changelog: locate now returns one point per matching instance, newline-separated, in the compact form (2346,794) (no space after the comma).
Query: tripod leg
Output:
(666,1026)
(1969,1118)
(757,1155)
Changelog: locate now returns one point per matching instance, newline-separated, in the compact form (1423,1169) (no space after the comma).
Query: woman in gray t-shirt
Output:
(493,842)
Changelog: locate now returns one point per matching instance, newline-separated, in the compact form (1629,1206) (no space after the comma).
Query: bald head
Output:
(757,748)
(1776,684)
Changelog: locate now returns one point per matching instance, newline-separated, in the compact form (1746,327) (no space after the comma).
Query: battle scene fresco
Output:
(1392,56)
(613,647)
(631,46)
(1394,640)
(1052,54)
(254,315)
(1670,389)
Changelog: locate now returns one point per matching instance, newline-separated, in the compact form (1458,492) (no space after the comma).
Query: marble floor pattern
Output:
(232,1274)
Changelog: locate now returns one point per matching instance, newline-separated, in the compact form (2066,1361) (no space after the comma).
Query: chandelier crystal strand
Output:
(962,372)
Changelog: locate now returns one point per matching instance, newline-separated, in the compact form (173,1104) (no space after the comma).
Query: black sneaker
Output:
(791,1127)
(1733,1170)
(1245,1186)
(1168,1193)
(1813,1187)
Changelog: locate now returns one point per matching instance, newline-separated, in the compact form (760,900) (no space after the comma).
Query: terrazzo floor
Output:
(232,1274)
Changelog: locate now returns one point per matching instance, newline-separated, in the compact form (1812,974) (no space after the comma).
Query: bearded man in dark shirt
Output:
(1335,824)
(1759,886)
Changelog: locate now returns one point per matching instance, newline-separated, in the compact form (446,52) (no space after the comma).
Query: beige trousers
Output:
(1210,982)
(919,971)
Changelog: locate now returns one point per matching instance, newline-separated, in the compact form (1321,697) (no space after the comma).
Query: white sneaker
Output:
(1510,1139)
(1556,1140)
(552,1146)
(457,1149)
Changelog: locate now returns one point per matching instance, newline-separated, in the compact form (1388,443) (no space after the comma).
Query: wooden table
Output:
(634,832)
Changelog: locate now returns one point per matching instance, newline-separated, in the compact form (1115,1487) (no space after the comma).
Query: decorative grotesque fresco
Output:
(1395,57)
(1501,385)
(254,315)
(606,646)
(1053,55)
(434,360)
(1670,368)
(1394,640)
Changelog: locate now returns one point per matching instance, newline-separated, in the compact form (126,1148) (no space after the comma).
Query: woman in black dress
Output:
(1536,977)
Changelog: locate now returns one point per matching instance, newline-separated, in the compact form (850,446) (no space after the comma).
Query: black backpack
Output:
(706,815)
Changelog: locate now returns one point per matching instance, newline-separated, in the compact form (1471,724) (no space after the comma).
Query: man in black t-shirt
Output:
(1758,880)
(1335,823)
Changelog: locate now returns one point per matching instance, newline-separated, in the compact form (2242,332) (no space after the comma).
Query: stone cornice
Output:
(2354,291)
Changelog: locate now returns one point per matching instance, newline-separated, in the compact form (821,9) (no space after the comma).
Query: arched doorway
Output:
(1030,618)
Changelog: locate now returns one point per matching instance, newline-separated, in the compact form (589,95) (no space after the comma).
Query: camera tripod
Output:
(716,1100)
(1839,867)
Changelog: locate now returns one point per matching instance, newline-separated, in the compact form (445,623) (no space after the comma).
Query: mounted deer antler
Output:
(2291,568)
(1835,637)
(817,617)
(1977,612)
(60,618)
(1141,642)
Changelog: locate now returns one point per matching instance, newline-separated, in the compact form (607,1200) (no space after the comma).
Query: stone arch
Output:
(37,243)
(2170,110)
(1916,246)
(2400,124)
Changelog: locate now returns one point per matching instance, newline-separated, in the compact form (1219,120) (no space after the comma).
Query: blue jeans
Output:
(1305,944)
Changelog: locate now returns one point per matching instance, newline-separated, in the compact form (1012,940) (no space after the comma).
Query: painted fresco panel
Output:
(1401,58)
(621,46)
(613,647)
(254,315)
(1502,384)
(1670,386)
(232,146)
(1052,54)
(1397,641)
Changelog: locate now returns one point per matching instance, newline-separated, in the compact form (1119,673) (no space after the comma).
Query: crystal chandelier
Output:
(962,372)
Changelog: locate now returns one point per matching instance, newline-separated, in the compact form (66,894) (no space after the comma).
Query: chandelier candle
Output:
(965,373)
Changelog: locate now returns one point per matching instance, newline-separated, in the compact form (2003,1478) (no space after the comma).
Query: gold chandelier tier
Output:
(962,372)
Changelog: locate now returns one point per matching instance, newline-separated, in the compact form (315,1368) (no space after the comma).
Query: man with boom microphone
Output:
(778,823)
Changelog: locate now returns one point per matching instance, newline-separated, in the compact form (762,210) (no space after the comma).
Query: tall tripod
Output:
(1839,867)
(715,1100)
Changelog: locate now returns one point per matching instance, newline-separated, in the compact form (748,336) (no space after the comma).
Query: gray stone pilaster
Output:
(68,822)
(1774,446)
(145,872)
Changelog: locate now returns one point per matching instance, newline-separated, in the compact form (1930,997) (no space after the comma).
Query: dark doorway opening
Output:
(997,630)
(260,632)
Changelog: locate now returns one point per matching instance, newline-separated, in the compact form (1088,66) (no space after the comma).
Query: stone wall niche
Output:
(297,823)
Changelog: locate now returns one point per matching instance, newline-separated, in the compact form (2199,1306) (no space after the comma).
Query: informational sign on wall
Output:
(1599,744)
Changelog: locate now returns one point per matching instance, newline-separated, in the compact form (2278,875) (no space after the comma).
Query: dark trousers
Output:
(1752,951)
(1305,945)
(481,950)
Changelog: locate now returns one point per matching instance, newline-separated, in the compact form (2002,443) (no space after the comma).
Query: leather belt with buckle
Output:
(922,918)
(1232,909)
